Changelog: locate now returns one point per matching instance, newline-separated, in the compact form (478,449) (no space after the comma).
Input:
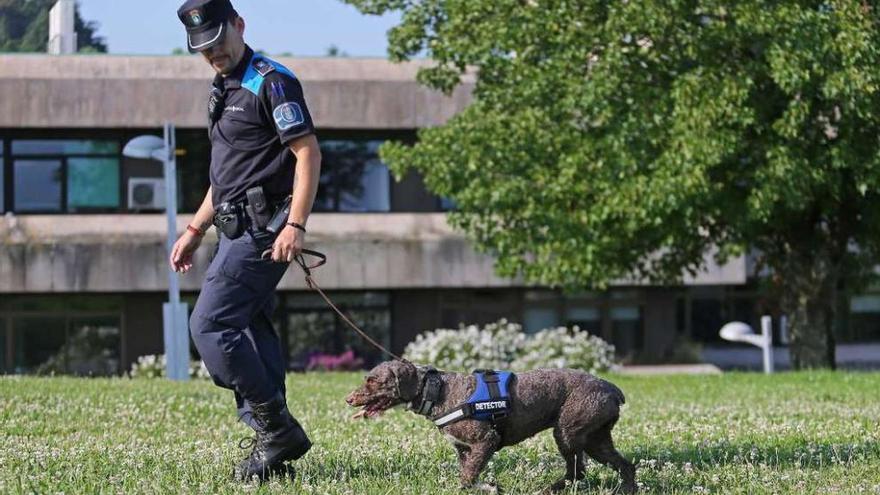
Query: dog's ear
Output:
(407,380)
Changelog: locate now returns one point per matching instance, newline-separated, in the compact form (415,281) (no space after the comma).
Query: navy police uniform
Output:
(255,112)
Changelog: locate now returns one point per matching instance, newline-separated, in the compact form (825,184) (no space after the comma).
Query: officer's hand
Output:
(182,252)
(288,244)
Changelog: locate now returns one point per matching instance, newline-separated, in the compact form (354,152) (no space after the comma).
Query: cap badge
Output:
(195,17)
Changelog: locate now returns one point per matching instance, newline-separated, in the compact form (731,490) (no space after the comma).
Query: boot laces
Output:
(257,445)
(247,443)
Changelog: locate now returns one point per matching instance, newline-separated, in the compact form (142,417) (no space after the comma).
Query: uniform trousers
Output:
(231,322)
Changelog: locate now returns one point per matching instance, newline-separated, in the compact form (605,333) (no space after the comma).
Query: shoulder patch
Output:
(288,115)
(262,66)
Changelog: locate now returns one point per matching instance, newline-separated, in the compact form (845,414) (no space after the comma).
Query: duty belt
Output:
(232,218)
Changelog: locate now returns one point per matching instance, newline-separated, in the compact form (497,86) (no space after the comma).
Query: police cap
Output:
(205,21)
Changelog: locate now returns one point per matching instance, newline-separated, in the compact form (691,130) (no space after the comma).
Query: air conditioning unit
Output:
(146,193)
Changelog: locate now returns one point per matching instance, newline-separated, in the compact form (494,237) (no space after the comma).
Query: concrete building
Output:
(82,256)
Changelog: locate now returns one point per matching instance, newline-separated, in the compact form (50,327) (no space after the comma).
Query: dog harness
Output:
(489,402)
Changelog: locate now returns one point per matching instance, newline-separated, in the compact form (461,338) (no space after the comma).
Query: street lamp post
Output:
(175,314)
(737,331)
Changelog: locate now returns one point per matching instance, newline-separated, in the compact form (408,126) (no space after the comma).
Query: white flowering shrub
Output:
(154,367)
(198,370)
(148,367)
(503,345)
(494,346)
(564,348)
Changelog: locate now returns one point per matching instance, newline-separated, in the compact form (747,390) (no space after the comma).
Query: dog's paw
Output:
(559,486)
(628,488)
(486,488)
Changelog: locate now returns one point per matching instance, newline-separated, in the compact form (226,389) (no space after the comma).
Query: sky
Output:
(300,27)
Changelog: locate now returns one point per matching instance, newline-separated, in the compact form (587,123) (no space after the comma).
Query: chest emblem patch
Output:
(288,115)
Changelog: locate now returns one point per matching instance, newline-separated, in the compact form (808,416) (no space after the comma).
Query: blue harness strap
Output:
(490,399)
(489,402)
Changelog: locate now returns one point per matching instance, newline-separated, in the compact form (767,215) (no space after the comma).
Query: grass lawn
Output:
(734,433)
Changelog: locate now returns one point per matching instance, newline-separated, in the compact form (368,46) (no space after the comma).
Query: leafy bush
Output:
(503,345)
(153,366)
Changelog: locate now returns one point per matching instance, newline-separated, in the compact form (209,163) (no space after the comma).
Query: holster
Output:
(258,208)
(228,218)
(279,219)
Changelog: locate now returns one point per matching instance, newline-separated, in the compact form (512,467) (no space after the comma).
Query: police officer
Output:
(262,138)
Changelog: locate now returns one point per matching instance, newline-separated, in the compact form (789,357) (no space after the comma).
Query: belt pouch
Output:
(257,207)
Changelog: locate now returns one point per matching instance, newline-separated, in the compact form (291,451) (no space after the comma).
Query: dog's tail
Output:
(616,392)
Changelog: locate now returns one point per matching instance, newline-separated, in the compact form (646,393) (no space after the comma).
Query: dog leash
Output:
(310,281)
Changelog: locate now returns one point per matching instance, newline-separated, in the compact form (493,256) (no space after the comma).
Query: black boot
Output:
(279,438)
(280,470)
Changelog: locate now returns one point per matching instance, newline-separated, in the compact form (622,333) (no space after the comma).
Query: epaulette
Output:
(262,66)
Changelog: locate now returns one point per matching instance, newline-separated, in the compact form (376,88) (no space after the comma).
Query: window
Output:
(447,204)
(549,309)
(706,319)
(308,327)
(537,319)
(39,344)
(92,183)
(64,147)
(864,319)
(192,168)
(93,346)
(37,185)
(626,329)
(353,179)
(587,318)
(54,334)
(2,181)
(2,346)
(66,345)
(541,309)
(58,175)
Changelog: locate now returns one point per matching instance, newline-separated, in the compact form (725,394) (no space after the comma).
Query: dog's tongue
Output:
(367,412)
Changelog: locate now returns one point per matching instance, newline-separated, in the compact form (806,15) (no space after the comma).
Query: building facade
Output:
(83,269)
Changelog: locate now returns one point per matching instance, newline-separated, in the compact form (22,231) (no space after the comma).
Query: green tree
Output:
(612,139)
(24,27)
(334,51)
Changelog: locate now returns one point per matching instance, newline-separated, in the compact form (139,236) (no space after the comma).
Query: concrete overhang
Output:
(110,91)
(126,253)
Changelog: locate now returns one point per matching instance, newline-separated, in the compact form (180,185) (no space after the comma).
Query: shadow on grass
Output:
(709,457)
(546,467)
(801,454)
